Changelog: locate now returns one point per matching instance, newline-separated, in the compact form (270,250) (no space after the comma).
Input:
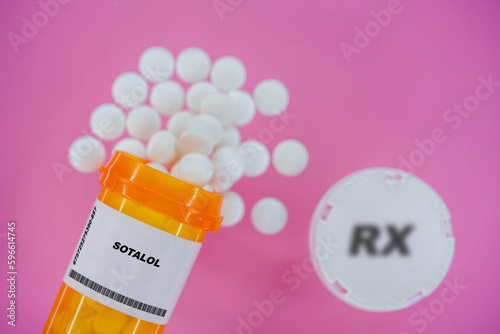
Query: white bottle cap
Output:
(382,239)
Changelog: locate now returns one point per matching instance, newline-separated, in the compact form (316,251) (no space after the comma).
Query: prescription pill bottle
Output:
(135,253)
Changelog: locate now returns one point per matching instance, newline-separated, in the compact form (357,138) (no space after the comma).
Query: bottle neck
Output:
(150,217)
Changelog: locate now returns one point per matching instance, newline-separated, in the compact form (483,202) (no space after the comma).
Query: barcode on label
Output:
(115,295)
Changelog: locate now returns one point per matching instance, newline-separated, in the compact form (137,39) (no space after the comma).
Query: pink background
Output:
(355,115)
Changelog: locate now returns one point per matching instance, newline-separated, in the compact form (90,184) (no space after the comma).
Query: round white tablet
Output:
(86,154)
(219,105)
(196,93)
(269,215)
(193,64)
(174,171)
(156,64)
(167,97)
(290,157)
(271,97)
(210,123)
(195,139)
(382,240)
(221,182)
(228,164)
(162,147)
(230,138)
(107,121)
(232,209)
(143,122)
(256,155)
(132,146)
(228,73)
(129,90)
(244,107)
(196,169)
(158,166)
(179,122)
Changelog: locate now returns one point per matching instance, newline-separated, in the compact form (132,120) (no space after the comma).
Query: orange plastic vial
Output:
(135,253)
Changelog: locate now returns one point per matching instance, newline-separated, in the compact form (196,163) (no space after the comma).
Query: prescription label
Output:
(130,266)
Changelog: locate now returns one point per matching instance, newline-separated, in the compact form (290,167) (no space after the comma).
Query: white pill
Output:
(256,155)
(129,90)
(232,209)
(228,164)
(290,157)
(107,121)
(161,147)
(221,181)
(219,105)
(86,154)
(269,215)
(158,166)
(244,107)
(179,122)
(210,123)
(196,169)
(174,171)
(196,93)
(228,73)
(193,64)
(271,97)
(132,146)
(167,97)
(195,140)
(143,122)
(230,138)
(156,64)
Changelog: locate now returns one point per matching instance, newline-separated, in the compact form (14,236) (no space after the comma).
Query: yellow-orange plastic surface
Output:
(74,313)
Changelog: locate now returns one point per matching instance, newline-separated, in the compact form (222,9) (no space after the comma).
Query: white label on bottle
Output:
(130,266)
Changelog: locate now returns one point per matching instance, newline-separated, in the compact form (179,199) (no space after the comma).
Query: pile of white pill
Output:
(201,143)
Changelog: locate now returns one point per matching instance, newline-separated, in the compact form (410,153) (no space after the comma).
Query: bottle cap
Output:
(382,239)
(132,178)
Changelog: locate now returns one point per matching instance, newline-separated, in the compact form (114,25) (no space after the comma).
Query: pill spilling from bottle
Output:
(176,153)
(193,134)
